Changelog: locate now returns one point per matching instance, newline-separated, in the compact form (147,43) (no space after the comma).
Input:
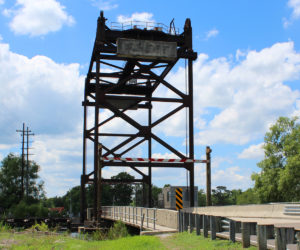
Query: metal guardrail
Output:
(133,215)
(292,209)
(225,225)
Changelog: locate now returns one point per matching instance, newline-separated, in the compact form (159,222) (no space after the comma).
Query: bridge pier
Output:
(232,230)
(283,236)
(262,237)
(205,226)
(213,227)
(186,222)
(197,222)
(245,228)
(192,222)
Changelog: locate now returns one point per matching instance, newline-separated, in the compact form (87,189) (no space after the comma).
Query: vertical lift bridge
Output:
(139,59)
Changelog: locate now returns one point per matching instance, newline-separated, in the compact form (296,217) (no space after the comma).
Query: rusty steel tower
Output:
(128,64)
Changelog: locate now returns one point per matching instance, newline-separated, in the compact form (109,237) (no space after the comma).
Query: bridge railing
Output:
(134,215)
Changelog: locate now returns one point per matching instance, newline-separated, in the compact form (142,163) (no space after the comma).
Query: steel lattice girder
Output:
(110,90)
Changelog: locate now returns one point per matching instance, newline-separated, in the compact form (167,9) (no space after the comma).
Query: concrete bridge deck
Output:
(269,226)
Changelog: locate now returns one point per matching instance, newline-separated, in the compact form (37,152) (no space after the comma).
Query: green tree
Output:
(279,179)
(234,194)
(155,192)
(201,198)
(122,193)
(221,196)
(11,185)
(247,197)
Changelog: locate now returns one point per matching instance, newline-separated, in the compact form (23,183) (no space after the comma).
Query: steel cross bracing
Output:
(130,84)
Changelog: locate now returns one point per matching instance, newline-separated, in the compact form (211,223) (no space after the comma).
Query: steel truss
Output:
(131,86)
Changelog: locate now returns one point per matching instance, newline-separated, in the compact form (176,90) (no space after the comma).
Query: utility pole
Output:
(22,170)
(23,134)
(27,160)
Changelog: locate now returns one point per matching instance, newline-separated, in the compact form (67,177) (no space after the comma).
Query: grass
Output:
(192,241)
(185,240)
(31,241)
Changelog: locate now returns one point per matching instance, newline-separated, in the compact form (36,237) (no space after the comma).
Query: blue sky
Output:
(245,77)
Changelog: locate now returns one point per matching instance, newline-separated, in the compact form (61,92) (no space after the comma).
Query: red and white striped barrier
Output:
(151,160)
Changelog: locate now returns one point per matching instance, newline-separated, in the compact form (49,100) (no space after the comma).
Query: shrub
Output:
(119,230)
(98,235)
(4,227)
(40,227)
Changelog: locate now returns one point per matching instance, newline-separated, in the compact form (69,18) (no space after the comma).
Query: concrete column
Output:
(280,238)
(192,222)
(185,228)
(197,222)
(213,227)
(290,235)
(232,230)
(262,237)
(245,228)
(205,226)
(201,222)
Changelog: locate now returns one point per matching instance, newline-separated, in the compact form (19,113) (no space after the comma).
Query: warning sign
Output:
(179,203)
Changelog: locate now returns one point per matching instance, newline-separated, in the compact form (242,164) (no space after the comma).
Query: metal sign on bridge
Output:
(146,48)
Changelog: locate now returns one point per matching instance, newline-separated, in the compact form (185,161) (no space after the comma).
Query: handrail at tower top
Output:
(144,25)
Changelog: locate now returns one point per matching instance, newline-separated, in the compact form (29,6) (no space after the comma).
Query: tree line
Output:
(278,181)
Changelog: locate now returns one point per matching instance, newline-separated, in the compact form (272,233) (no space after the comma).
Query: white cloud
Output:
(35,18)
(249,96)
(239,53)
(141,17)
(165,156)
(48,94)
(231,178)
(253,152)
(1,2)
(243,97)
(104,5)
(60,160)
(295,6)
(211,33)
(6,146)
